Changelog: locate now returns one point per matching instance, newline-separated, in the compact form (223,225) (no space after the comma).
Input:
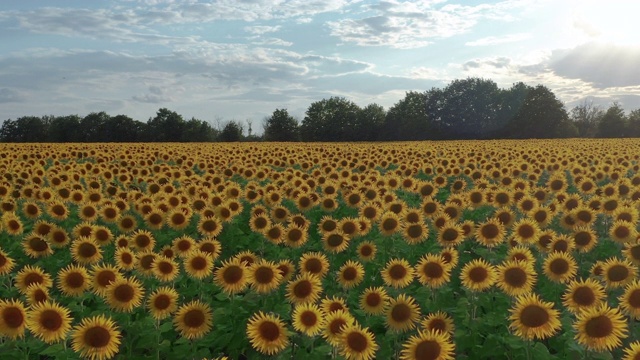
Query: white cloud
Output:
(495,40)
(262,29)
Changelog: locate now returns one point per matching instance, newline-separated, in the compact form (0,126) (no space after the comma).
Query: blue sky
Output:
(222,59)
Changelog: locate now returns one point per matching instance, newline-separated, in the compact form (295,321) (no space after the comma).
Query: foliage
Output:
(281,126)
(231,132)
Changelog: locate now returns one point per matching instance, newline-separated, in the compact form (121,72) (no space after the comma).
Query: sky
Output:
(219,60)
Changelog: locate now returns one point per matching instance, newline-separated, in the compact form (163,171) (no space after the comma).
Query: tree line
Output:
(471,108)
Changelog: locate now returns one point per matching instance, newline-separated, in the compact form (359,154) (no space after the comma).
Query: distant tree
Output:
(281,126)
(370,122)
(332,119)
(121,128)
(62,129)
(198,131)
(613,123)
(586,118)
(231,132)
(467,109)
(91,127)
(24,129)
(510,102)
(633,123)
(541,115)
(408,119)
(166,126)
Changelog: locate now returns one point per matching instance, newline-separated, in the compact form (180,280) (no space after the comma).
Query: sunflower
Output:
(165,269)
(583,294)
(154,218)
(305,288)
(332,304)
(267,333)
(521,253)
(600,328)
(143,240)
(560,267)
(308,319)
(562,243)
(478,275)
(398,273)
(335,241)
(286,268)
(231,276)
(279,213)
(490,233)
(193,320)
(414,233)
(6,263)
(30,275)
(259,223)
(11,224)
(49,321)
(263,276)
(432,271)
(275,233)
(198,264)
(36,293)
(97,337)
(630,300)
(526,231)
(583,215)
(428,345)
(532,318)
(295,236)
(13,318)
(127,223)
(505,216)
(357,343)
(73,280)
(618,273)
(183,245)
(58,210)
(438,321)
(450,257)
(335,323)
(102,276)
(584,238)
(35,246)
(31,210)
(632,352)
(367,251)
(516,277)
(450,234)
(85,250)
(374,300)
(389,223)
(402,313)
(209,226)
(125,259)
(124,294)
(623,231)
(162,302)
(327,224)
(350,274)
(315,263)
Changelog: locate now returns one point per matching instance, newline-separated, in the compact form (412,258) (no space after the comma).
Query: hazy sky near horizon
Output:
(225,59)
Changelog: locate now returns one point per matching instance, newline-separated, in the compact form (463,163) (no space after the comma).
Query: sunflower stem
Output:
(158,338)
(528,349)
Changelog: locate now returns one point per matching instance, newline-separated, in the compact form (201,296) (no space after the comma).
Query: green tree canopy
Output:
(231,132)
(613,123)
(281,126)
(333,119)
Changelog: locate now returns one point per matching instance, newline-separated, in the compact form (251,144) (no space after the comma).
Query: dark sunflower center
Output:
(87,250)
(336,325)
(75,280)
(389,224)
(397,272)
(478,274)
(618,273)
(525,231)
(357,342)
(515,277)
(438,324)
(308,318)
(162,302)
(269,331)
(13,317)
(165,267)
(559,266)
(38,244)
(264,275)
(428,350)
(199,263)
(313,266)
(450,235)
(534,316)
(232,274)
(302,289)
(401,313)
(622,232)
(33,278)
(350,274)
(433,270)
(124,293)
(373,299)
(51,320)
(368,250)
(97,337)
(194,318)
(490,231)
(599,327)
(584,296)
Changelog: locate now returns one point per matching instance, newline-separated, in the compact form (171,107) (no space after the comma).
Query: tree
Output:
(466,109)
(281,126)
(408,119)
(121,128)
(198,131)
(231,132)
(613,123)
(332,119)
(510,103)
(24,129)
(63,129)
(166,126)
(369,123)
(633,123)
(91,127)
(586,118)
(541,115)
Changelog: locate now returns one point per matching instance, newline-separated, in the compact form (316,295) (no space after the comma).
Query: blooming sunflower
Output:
(374,300)
(585,238)
(490,233)
(357,343)
(630,299)
(433,344)
(618,272)
(231,276)
(35,246)
(432,271)
(36,293)
(125,259)
(334,303)
(286,268)
(198,264)
(526,231)
(516,277)
(209,226)
(415,233)
(162,302)
(183,245)
(478,275)
(267,333)
(600,328)
(308,319)
(389,223)
(350,274)
(102,276)
(73,280)
(30,275)
(632,352)
(49,321)
(305,288)
(124,294)
(165,269)
(335,323)
(450,234)
(623,231)
(263,276)
(6,263)
(398,273)
(335,241)
(193,320)
(13,318)
(560,267)
(438,321)
(274,233)
(450,257)
(97,337)
(367,251)
(315,263)
(402,313)
(532,318)
(295,236)
(583,294)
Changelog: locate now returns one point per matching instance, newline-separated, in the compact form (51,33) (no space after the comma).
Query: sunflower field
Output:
(416,250)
